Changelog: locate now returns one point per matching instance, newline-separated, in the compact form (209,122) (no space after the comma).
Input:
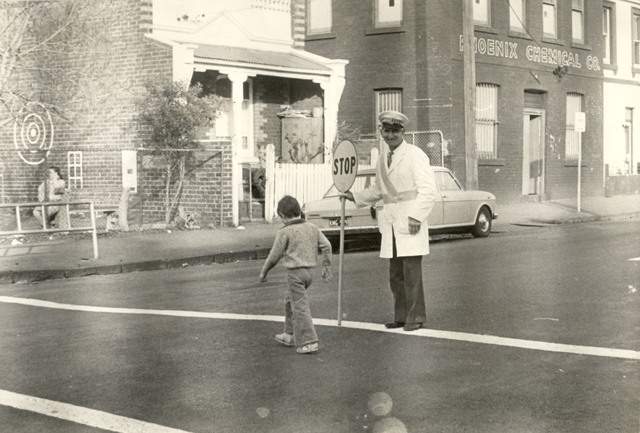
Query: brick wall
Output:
(103,128)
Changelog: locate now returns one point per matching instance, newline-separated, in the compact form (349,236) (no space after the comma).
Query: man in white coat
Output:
(406,184)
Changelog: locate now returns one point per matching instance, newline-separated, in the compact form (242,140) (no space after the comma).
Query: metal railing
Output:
(68,206)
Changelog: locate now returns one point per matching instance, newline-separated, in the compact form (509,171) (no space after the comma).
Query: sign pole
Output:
(344,168)
(340,259)
(580,123)
(579,170)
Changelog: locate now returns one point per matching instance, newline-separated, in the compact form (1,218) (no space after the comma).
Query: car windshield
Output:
(362,182)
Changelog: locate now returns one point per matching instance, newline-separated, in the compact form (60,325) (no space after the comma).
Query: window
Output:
(607,34)
(319,17)
(549,19)
(628,140)
(636,40)
(577,20)
(388,13)
(482,12)
(516,15)
(74,169)
(388,99)
(487,121)
(573,138)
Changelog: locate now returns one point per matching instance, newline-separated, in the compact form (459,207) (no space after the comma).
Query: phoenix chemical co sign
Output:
(532,53)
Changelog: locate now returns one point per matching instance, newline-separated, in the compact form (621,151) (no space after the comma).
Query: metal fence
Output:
(431,142)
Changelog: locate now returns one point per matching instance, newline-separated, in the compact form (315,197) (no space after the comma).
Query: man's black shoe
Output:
(393,325)
(412,326)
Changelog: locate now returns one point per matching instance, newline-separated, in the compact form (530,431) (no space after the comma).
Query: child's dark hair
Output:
(288,207)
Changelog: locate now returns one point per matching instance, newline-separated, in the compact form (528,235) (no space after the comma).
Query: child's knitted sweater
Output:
(297,245)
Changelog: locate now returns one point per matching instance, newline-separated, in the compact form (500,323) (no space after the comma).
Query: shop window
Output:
(550,19)
(487,120)
(572,137)
(517,15)
(388,13)
(74,169)
(319,17)
(577,21)
(608,34)
(388,99)
(482,13)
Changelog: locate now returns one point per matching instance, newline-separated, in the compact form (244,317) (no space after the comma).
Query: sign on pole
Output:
(580,126)
(344,168)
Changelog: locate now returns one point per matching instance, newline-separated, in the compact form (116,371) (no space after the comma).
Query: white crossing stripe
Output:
(635,259)
(431,333)
(81,415)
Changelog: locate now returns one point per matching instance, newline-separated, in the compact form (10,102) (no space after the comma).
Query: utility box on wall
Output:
(130,170)
(302,140)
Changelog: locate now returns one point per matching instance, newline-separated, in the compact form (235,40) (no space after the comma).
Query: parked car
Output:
(454,211)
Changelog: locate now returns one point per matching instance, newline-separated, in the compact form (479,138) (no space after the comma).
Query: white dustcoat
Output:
(409,171)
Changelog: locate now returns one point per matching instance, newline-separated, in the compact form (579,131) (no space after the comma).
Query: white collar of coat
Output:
(398,153)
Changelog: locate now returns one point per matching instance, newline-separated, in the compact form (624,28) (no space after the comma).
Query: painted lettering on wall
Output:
(533,53)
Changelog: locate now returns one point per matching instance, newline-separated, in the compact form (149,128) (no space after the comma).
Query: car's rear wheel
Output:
(482,227)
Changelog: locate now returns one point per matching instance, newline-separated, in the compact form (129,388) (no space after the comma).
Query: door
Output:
(533,153)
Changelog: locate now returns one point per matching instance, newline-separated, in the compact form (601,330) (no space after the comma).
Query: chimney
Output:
(298,22)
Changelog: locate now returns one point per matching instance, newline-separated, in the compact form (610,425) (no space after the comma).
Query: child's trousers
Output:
(297,314)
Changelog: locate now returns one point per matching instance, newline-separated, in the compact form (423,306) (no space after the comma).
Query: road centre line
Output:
(81,415)
(430,333)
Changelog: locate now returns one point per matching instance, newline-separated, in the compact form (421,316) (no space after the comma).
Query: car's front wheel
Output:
(482,227)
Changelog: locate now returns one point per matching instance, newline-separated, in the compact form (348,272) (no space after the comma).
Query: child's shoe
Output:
(308,348)
(286,339)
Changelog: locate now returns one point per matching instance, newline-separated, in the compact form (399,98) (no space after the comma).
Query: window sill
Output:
(519,35)
(610,66)
(581,46)
(384,30)
(635,70)
(320,36)
(491,162)
(484,29)
(553,41)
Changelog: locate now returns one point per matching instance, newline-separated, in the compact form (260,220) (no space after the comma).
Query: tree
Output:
(51,53)
(170,116)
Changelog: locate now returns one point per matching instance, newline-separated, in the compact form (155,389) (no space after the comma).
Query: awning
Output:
(257,58)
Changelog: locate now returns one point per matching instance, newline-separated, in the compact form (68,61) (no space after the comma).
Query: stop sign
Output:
(344,165)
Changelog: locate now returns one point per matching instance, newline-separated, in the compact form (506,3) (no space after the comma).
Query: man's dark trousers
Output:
(405,280)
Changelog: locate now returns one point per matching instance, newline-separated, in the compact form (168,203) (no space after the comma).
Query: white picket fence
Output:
(305,182)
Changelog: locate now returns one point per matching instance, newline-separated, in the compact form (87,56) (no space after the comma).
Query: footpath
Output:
(62,257)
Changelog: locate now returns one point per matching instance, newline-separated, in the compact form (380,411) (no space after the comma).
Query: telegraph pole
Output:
(469,69)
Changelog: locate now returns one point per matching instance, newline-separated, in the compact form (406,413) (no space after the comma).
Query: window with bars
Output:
(608,35)
(550,19)
(487,120)
(517,16)
(577,21)
(482,13)
(319,20)
(388,99)
(388,13)
(572,137)
(74,169)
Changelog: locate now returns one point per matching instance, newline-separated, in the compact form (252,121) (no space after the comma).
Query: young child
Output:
(297,245)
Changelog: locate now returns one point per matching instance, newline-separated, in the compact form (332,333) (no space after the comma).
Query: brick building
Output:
(537,62)
(246,51)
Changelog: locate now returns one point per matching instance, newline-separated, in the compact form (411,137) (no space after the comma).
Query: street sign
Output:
(344,165)
(580,122)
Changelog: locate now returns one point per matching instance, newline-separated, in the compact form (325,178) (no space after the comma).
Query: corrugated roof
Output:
(257,57)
